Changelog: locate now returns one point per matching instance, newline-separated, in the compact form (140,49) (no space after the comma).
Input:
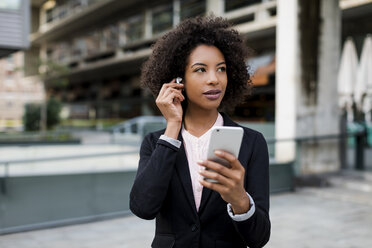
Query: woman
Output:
(169,186)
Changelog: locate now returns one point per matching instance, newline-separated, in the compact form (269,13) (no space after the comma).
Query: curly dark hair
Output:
(170,56)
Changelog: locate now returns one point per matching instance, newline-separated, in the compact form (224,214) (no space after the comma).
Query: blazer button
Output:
(194,228)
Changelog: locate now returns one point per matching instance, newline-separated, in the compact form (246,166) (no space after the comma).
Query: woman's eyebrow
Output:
(221,63)
(198,64)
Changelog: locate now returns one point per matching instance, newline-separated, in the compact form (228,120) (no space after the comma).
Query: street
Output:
(339,216)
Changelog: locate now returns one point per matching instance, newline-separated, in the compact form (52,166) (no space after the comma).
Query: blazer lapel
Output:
(182,168)
(206,194)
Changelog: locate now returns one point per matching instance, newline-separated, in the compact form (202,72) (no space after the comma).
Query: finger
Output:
(179,95)
(214,186)
(171,84)
(221,169)
(167,93)
(234,162)
(172,94)
(176,85)
(177,99)
(163,89)
(216,176)
(168,90)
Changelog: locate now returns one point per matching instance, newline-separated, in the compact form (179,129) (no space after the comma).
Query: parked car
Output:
(140,125)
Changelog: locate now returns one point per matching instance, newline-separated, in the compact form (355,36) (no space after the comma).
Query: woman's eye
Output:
(200,70)
(222,69)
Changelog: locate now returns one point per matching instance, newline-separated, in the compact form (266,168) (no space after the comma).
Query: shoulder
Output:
(251,137)
(248,132)
(251,133)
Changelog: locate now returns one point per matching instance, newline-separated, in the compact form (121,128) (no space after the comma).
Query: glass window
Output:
(93,1)
(10,58)
(236,4)
(75,3)
(191,8)
(162,19)
(63,51)
(110,36)
(49,15)
(135,28)
(49,53)
(10,4)
(92,41)
(78,48)
(62,11)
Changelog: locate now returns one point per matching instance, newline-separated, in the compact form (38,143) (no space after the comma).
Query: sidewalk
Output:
(336,216)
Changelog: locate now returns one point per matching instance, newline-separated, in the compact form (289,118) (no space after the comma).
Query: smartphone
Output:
(224,138)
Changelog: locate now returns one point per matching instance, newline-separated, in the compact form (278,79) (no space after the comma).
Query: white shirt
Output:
(196,149)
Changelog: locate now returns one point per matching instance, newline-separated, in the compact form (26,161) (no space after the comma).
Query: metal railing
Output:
(359,160)
(360,144)
(33,136)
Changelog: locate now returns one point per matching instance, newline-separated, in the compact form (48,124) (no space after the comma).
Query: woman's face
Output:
(205,78)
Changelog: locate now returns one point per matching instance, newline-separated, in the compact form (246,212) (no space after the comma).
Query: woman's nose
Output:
(212,78)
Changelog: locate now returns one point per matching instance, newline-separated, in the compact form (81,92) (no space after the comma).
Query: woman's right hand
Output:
(169,102)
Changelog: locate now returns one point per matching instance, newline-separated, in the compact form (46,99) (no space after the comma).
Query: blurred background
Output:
(73,114)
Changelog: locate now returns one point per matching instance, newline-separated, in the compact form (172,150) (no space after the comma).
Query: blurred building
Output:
(102,44)
(16,90)
(14,28)
(99,46)
(89,53)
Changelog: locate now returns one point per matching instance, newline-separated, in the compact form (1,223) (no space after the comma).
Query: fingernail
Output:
(200,161)
(218,152)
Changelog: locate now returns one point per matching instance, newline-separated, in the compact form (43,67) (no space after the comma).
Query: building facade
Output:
(16,90)
(102,44)
(14,28)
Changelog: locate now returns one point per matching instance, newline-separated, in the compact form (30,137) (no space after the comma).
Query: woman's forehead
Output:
(206,53)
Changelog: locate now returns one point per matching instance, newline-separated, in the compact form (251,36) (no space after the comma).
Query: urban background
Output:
(73,114)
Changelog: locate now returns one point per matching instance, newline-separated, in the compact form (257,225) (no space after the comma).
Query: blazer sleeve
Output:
(155,169)
(255,231)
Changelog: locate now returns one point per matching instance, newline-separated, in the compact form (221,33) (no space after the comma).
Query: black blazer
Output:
(162,190)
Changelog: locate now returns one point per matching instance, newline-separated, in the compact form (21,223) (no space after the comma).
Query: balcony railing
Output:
(140,31)
(63,11)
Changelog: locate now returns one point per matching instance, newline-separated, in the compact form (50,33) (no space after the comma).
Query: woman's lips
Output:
(212,94)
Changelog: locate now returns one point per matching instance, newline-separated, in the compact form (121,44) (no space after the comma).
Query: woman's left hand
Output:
(230,181)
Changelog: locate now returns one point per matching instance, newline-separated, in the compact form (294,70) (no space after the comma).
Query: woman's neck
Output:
(197,122)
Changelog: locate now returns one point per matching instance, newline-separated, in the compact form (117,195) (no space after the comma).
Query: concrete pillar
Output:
(287,76)
(176,12)
(327,114)
(148,24)
(217,7)
(308,45)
